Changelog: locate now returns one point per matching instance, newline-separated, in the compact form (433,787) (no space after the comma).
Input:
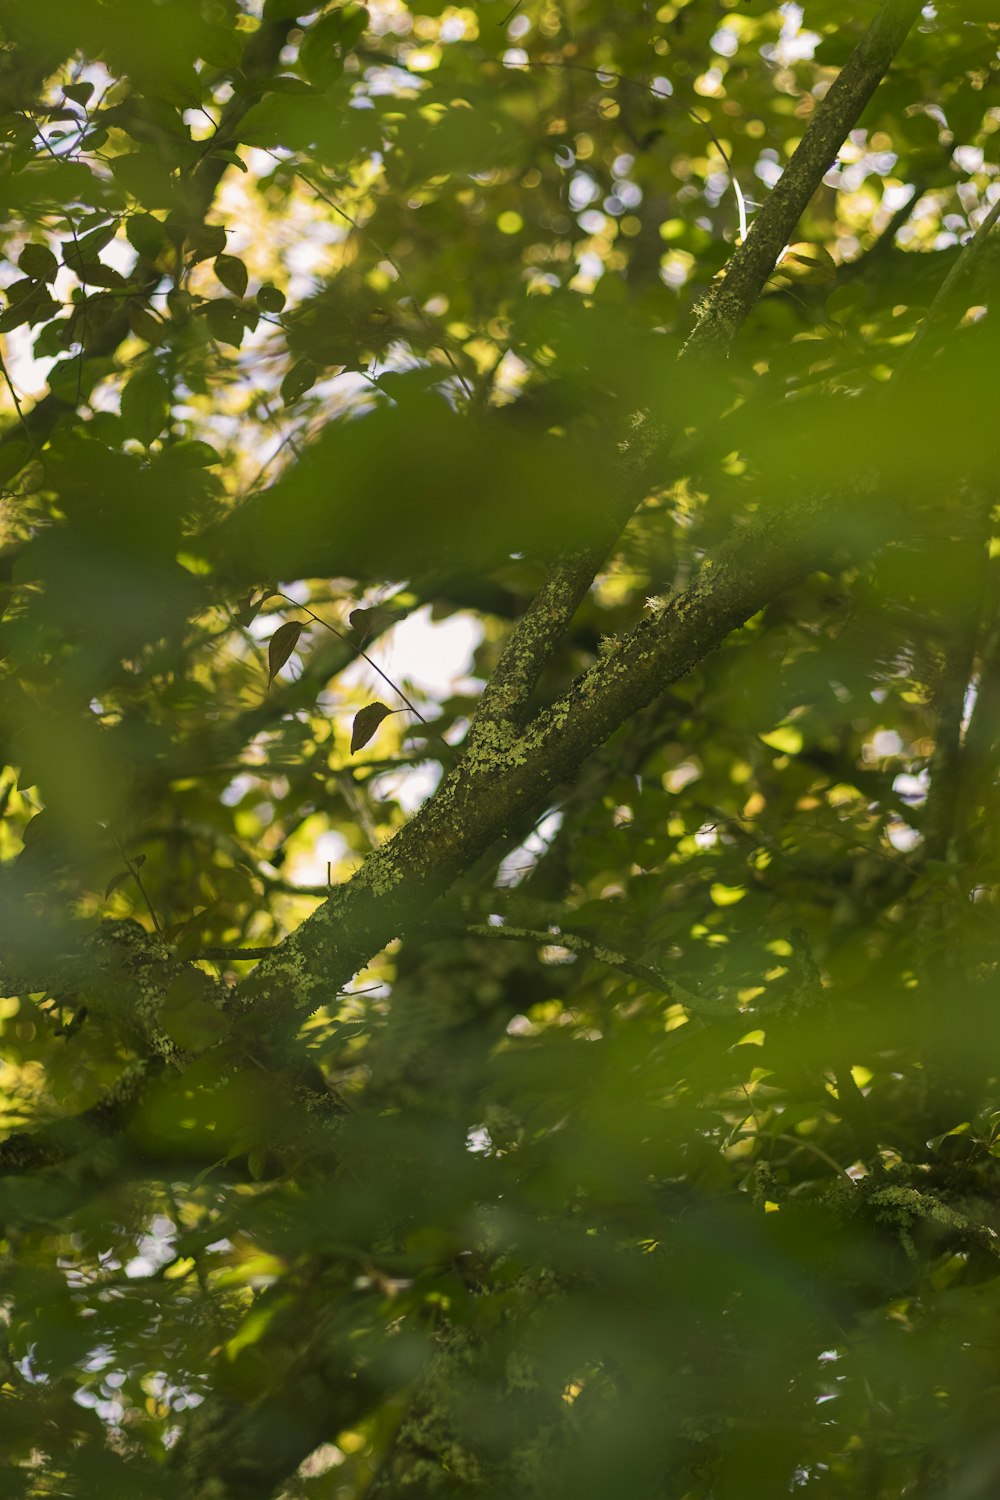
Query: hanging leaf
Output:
(145,404)
(79,92)
(250,608)
(281,645)
(366,721)
(369,622)
(224,322)
(83,251)
(232,273)
(270,299)
(303,374)
(205,243)
(123,875)
(38,262)
(232,158)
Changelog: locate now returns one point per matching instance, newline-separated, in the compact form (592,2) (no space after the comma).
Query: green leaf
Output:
(297,122)
(366,722)
(354,20)
(250,608)
(32,306)
(270,299)
(221,46)
(205,243)
(83,251)
(319,51)
(225,322)
(144,324)
(232,157)
(80,93)
(369,622)
(115,882)
(145,234)
(145,404)
(300,378)
(192,453)
(38,262)
(232,273)
(281,645)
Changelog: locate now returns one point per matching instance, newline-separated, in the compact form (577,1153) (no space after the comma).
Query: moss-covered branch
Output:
(727,305)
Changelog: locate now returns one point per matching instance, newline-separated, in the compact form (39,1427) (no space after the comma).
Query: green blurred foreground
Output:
(500,706)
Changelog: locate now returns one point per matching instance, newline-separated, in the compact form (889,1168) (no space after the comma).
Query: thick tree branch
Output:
(499,783)
(29,1151)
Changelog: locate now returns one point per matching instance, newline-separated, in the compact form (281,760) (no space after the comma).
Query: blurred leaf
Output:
(145,404)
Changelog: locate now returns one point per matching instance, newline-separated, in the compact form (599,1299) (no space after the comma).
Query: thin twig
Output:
(649,88)
(374,666)
(390,260)
(960,269)
(133,870)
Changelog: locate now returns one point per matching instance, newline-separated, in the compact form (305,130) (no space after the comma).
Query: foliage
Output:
(579,1077)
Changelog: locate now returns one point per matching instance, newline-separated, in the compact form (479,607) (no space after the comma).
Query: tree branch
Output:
(726,307)
(721,317)
(497,785)
(702,1006)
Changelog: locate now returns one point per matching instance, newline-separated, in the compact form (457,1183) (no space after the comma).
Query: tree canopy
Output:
(500,660)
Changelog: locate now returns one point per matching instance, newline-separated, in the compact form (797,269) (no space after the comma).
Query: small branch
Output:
(699,1005)
(960,269)
(374,666)
(133,868)
(727,305)
(30,1151)
(947,762)
(240,955)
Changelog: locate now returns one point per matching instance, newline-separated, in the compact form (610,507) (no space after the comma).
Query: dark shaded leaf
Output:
(80,93)
(232,273)
(300,378)
(270,299)
(369,622)
(145,404)
(205,243)
(144,324)
(225,323)
(38,261)
(366,722)
(146,234)
(281,645)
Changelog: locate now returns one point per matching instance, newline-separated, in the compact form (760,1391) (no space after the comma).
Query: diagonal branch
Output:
(721,317)
(726,307)
(499,784)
